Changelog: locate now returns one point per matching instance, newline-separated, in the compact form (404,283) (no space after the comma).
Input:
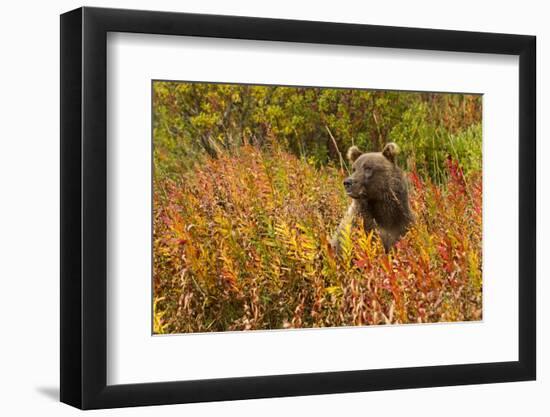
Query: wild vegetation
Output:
(248,190)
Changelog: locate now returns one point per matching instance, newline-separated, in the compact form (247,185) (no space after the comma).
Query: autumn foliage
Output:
(241,243)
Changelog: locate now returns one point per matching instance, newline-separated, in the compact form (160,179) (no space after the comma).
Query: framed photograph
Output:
(257,208)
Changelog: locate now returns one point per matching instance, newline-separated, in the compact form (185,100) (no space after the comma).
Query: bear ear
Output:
(354,153)
(390,151)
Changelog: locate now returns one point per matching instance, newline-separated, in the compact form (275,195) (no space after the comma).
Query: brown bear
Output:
(379,193)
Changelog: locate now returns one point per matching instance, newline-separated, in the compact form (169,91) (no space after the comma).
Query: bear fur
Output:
(379,193)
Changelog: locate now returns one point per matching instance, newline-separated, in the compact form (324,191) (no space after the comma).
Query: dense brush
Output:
(241,242)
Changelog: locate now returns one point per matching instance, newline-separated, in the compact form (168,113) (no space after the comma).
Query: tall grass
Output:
(241,242)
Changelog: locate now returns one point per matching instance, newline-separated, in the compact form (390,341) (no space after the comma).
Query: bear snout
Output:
(347,183)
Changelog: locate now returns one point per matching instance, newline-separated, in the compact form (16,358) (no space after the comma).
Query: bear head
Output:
(372,172)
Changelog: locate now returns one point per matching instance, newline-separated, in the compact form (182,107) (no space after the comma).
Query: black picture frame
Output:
(84,207)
